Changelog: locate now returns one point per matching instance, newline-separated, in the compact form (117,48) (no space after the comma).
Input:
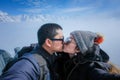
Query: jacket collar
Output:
(48,57)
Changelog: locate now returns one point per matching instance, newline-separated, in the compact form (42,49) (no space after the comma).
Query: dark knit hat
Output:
(85,41)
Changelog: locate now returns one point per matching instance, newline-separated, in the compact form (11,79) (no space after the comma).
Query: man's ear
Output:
(48,42)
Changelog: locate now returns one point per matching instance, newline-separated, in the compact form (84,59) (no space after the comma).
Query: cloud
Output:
(33,11)
(76,9)
(5,18)
(35,3)
(32,6)
(32,3)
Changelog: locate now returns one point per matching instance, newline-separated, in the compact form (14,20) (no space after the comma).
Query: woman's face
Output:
(70,45)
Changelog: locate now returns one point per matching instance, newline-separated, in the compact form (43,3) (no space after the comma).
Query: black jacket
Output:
(78,68)
(88,71)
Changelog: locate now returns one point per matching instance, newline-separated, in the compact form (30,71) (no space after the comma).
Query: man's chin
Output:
(60,51)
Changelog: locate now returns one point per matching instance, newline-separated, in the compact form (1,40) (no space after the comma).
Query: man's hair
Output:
(47,30)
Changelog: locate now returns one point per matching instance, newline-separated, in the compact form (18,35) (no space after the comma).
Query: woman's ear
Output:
(48,42)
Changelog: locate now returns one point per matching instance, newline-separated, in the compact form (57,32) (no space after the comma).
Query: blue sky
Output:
(20,20)
(55,7)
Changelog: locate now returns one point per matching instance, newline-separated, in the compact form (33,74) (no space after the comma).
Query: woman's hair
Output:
(114,68)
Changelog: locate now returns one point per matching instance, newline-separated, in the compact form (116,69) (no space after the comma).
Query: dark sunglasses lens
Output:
(58,39)
(68,40)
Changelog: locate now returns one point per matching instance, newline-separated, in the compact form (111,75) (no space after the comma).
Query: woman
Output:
(86,60)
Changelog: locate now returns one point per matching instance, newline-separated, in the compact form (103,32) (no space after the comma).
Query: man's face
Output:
(57,42)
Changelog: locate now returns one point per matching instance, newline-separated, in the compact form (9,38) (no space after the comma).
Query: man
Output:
(50,40)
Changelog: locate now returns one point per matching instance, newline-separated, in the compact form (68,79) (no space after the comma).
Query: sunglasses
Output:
(68,40)
(54,39)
